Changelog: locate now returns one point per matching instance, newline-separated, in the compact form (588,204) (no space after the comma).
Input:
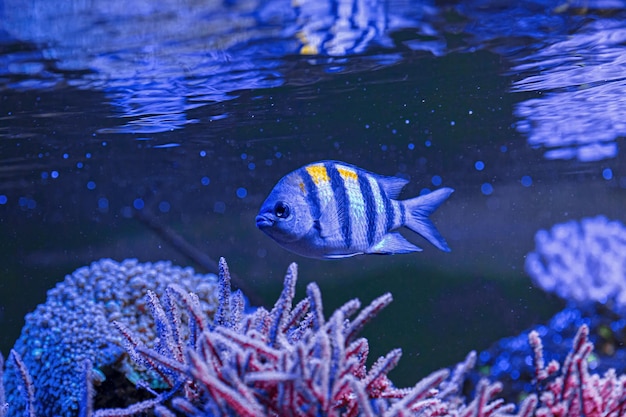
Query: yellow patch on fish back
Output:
(301,185)
(347,173)
(318,173)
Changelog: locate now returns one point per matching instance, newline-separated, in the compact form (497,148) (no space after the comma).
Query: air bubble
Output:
(486,189)
(164,207)
(138,204)
(527,181)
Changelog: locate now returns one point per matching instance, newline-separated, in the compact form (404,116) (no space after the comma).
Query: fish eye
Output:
(281,210)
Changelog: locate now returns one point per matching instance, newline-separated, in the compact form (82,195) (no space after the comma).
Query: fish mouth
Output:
(263,222)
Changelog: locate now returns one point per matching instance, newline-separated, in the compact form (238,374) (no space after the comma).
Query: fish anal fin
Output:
(393,243)
(342,255)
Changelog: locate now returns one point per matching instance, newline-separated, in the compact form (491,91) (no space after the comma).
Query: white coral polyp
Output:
(583,262)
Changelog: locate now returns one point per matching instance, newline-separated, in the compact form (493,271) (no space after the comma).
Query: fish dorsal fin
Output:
(393,243)
(392,185)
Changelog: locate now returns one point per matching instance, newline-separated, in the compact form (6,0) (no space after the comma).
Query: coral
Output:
(293,361)
(583,262)
(4,406)
(74,325)
(510,359)
(570,391)
(289,361)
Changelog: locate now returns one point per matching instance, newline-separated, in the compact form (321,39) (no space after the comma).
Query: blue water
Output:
(117,124)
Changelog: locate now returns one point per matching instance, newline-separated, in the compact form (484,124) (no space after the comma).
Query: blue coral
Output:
(74,325)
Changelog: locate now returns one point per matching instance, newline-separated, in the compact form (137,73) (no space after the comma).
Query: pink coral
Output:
(573,392)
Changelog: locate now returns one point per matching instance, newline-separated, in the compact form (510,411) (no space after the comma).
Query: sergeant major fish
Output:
(330,209)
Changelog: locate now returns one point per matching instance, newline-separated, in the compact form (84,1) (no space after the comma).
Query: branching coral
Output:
(584,262)
(570,391)
(75,325)
(288,361)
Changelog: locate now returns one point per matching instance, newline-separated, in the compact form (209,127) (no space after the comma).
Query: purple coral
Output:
(288,361)
(75,325)
(582,261)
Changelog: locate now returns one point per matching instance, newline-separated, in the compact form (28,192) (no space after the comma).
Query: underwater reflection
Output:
(568,59)
(582,82)
(156,62)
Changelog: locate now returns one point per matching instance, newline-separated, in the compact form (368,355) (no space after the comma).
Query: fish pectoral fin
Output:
(393,243)
(329,222)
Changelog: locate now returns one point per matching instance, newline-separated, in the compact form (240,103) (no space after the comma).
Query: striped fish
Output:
(330,209)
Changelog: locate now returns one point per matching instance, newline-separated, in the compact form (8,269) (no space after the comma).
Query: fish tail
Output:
(419,208)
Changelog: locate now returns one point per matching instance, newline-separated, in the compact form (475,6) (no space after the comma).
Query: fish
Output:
(332,210)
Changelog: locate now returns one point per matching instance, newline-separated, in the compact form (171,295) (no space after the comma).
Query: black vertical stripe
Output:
(312,196)
(343,203)
(389,211)
(402,213)
(370,207)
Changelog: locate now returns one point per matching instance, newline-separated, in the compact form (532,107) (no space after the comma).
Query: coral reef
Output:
(74,325)
(509,359)
(583,262)
(291,361)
